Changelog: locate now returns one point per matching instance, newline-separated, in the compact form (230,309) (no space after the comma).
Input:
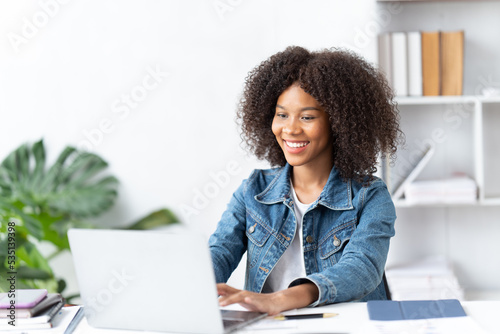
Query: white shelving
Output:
(462,109)
(465,234)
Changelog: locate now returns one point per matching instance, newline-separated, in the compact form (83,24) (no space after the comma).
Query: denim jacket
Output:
(346,235)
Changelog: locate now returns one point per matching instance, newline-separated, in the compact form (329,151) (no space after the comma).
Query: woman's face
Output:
(302,129)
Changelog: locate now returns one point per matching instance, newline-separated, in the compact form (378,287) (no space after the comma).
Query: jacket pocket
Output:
(257,233)
(336,239)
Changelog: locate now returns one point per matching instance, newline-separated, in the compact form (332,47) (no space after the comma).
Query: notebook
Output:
(414,309)
(150,280)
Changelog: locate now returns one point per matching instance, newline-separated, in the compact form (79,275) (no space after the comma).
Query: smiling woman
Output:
(316,228)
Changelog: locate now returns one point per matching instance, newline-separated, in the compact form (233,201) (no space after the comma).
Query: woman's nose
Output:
(291,127)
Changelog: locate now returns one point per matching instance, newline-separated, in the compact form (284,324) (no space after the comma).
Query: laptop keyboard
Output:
(234,319)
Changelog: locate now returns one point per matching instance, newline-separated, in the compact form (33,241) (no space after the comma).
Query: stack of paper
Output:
(431,278)
(457,190)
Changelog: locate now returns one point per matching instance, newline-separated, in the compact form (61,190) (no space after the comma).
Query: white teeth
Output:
(295,145)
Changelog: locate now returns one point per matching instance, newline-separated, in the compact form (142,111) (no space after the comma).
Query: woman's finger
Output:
(224,289)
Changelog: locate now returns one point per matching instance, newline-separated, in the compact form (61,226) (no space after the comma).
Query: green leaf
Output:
(50,182)
(22,162)
(38,151)
(46,201)
(52,231)
(61,285)
(94,165)
(25,272)
(31,223)
(153,220)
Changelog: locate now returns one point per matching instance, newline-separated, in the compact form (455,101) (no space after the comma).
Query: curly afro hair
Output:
(363,116)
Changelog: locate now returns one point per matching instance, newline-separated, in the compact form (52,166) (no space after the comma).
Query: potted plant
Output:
(40,204)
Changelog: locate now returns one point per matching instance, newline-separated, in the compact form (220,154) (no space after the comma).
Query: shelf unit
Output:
(465,234)
(465,107)
(480,21)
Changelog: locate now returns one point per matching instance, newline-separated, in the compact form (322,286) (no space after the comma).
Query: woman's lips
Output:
(295,147)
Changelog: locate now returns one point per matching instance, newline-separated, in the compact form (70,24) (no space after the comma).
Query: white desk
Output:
(352,318)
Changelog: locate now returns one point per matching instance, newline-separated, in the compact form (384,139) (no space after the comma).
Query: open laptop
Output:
(150,280)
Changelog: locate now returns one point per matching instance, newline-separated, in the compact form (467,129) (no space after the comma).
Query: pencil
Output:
(305,316)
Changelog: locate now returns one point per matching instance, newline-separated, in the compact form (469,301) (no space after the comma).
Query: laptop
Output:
(150,280)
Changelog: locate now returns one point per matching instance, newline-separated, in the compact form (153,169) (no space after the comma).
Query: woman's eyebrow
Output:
(303,109)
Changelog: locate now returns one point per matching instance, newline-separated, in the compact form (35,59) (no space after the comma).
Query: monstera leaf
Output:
(44,202)
(68,190)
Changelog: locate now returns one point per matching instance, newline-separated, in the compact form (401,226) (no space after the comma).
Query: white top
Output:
(291,264)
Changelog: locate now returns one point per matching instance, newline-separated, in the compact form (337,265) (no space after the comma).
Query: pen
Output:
(305,316)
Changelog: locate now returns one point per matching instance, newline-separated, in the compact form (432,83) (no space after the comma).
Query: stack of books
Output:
(456,190)
(430,278)
(423,63)
(31,309)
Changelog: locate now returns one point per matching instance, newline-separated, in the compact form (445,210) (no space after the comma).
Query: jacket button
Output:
(251,229)
(309,239)
(336,241)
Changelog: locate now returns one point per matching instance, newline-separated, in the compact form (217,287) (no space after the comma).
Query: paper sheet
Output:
(456,325)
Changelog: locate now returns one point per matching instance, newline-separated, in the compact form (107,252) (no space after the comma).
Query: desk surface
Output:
(352,318)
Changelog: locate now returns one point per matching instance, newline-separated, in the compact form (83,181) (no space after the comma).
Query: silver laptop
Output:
(150,280)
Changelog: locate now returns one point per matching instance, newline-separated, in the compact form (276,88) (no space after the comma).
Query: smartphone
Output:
(24,298)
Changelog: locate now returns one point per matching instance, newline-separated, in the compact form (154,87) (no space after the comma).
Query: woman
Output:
(316,228)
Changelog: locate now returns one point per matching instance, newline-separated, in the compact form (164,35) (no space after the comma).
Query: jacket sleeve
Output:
(361,266)
(228,243)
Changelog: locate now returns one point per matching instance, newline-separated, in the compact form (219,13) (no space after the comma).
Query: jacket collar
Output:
(336,194)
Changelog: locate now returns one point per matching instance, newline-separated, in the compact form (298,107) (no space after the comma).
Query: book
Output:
(384,56)
(452,62)
(431,69)
(399,56)
(414,63)
(22,298)
(427,278)
(43,320)
(48,301)
(387,310)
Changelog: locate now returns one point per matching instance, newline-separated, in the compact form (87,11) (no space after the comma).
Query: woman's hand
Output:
(270,303)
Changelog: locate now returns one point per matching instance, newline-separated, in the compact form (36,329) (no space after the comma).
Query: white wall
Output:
(66,65)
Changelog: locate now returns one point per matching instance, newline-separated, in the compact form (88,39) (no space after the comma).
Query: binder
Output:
(431,69)
(452,62)
(414,63)
(399,57)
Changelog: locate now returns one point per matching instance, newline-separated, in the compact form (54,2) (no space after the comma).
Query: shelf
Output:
(490,202)
(482,294)
(491,99)
(402,203)
(436,1)
(423,100)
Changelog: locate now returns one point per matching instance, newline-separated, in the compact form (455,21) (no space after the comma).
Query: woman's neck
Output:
(309,182)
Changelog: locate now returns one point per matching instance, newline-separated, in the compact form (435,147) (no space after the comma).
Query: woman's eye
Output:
(308,118)
(280,115)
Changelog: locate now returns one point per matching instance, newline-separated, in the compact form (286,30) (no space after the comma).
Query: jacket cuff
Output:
(327,291)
